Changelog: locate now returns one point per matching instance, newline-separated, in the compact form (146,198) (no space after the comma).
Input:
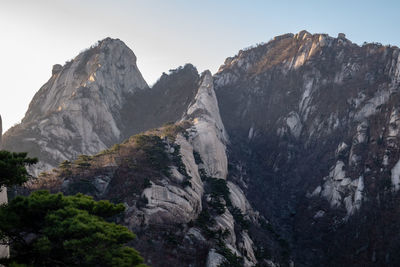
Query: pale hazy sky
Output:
(164,34)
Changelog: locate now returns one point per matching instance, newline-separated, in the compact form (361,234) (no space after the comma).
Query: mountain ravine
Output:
(287,156)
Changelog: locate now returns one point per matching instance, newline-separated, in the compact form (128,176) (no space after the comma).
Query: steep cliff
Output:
(78,111)
(166,101)
(313,126)
(173,182)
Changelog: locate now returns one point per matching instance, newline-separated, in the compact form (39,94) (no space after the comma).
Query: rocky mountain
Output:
(173,182)
(287,156)
(314,126)
(78,111)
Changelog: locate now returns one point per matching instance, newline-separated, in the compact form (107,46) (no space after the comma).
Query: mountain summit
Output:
(78,111)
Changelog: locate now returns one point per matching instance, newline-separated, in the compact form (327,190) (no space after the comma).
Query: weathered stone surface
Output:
(56,69)
(214,259)
(78,111)
(238,198)
(208,135)
(169,203)
(313,120)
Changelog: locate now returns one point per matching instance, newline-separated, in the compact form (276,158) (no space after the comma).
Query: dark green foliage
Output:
(146,183)
(81,68)
(262,253)
(115,148)
(170,130)
(186,135)
(55,230)
(283,243)
(231,259)
(177,160)
(65,167)
(239,218)
(186,183)
(267,226)
(219,193)
(204,220)
(84,186)
(83,161)
(43,175)
(154,149)
(385,183)
(171,239)
(217,204)
(203,174)
(12,168)
(168,123)
(142,202)
(380,141)
(66,164)
(219,188)
(197,157)
(218,235)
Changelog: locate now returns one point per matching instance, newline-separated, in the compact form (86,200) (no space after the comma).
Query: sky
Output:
(36,34)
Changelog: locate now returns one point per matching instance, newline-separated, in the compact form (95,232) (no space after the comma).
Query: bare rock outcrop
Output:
(78,111)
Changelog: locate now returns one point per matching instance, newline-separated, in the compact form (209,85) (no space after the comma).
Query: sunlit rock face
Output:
(313,125)
(210,140)
(170,203)
(208,133)
(78,111)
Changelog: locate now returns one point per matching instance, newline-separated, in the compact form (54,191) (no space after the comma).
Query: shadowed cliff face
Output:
(166,101)
(313,125)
